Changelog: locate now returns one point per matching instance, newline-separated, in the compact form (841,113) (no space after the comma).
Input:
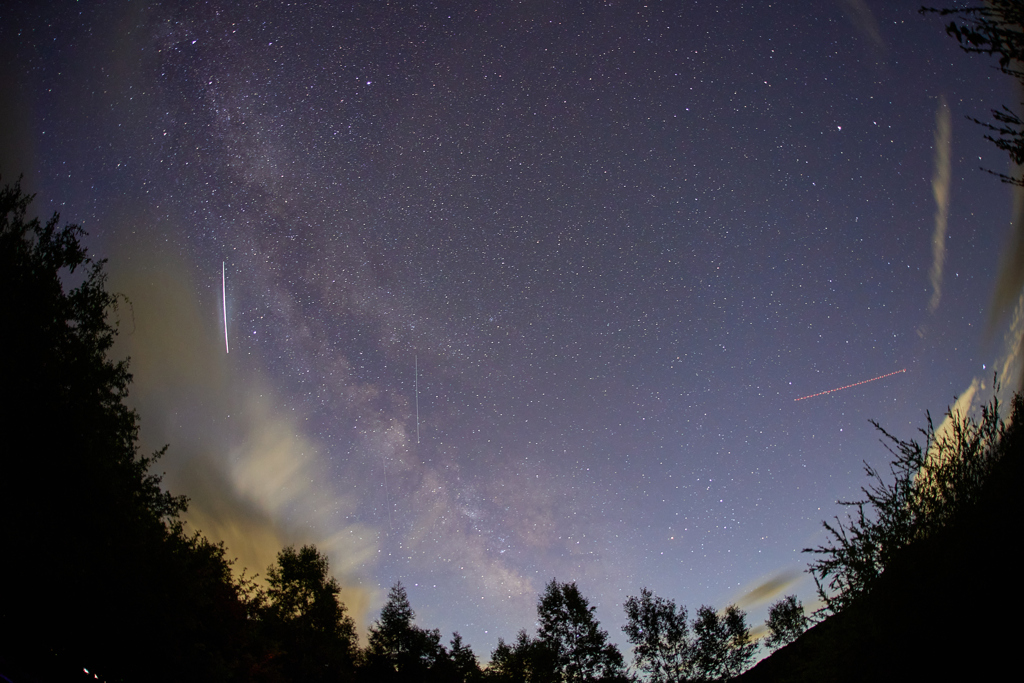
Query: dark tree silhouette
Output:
(660,636)
(398,650)
(665,649)
(458,664)
(120,585)
(932,485)
(722,645)
(995,28)
(568,628)
(306,619)
(786,621)
(966,556)
(527,660)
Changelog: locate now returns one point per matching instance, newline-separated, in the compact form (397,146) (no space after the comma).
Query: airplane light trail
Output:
(224,301)
(855,384)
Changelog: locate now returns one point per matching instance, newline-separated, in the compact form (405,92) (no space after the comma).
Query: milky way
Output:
(522,290)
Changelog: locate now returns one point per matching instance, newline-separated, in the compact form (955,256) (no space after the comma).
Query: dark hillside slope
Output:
(948,608)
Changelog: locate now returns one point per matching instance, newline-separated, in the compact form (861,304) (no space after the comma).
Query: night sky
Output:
(612,242)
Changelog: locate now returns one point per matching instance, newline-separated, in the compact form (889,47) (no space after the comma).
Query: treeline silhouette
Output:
(99,575)
(921,581)
(101,581)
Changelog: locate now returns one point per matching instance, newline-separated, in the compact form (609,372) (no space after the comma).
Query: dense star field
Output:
(523,290)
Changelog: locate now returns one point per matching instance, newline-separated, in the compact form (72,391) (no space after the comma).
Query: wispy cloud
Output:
(961,407)
(863,19)
(767,589)
(1012,364)
(762,591)
(1008,296)
(940,190)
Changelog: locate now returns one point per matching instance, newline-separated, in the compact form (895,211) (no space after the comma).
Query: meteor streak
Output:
(855,384)
(224,301)
(417,358)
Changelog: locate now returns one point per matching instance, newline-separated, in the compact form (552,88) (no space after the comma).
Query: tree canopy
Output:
(398,649)
(570,644)
(931,485)
(668,650)
(723,647)
(307,620)
(786,621)
(995,29)
(129,586)
(568,628)
(660,636)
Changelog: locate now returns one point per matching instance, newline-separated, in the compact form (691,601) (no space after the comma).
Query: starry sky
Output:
(526,290)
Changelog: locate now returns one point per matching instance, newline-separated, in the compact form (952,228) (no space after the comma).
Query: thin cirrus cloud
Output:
(863,19)
(940,191)
(769,588)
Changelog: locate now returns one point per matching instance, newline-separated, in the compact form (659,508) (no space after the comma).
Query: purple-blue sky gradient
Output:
(618,239)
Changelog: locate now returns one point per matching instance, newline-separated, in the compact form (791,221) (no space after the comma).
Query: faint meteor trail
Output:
(224,301)
(855,384)
(387,496)
(417,399)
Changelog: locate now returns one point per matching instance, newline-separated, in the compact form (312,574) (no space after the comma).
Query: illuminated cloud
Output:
(1011,269)
(758,632)
(1007,367)
(764,590)
(1007,296)
(940,190)
(861,17)
(962,406)
(767,589)
(1012,364)
(254,479)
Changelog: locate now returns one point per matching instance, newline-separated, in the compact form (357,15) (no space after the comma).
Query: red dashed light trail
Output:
(855,384)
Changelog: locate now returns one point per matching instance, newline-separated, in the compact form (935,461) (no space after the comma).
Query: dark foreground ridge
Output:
(945,609)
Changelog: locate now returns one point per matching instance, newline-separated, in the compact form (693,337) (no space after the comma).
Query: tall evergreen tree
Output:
(398,650)
(458,664)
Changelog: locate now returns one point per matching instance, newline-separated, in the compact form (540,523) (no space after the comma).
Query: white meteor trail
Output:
(224,301)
